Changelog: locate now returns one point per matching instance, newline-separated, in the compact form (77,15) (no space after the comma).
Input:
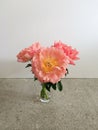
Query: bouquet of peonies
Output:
(49,64)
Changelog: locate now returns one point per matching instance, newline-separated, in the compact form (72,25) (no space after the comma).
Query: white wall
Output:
(25,21)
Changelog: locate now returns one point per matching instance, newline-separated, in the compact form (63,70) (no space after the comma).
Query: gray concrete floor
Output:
(75,108)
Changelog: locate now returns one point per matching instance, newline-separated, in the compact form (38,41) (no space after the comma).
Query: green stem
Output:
(43,93)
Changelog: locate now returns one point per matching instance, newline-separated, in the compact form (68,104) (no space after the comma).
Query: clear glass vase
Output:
(44,94)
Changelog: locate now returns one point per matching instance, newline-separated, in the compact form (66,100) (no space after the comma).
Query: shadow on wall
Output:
(14,69)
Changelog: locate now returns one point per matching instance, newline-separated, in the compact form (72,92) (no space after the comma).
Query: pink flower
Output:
(71,53)
(49,65)
(28,53)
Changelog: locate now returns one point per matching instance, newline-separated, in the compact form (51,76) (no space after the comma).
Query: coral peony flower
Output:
(28,53)
(49,65)
(71,53)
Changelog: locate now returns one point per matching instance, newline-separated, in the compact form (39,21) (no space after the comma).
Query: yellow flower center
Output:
(48,64)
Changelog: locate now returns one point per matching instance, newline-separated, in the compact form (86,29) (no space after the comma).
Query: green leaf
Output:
(54,86)
(28,65)
(67,72)
(48,86)
(35,78)
(60,86)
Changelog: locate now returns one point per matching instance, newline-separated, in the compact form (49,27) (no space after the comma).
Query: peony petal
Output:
(49,64)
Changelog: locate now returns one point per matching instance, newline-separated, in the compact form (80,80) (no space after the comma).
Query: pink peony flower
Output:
(49,65)
(71,53)
(28,53)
